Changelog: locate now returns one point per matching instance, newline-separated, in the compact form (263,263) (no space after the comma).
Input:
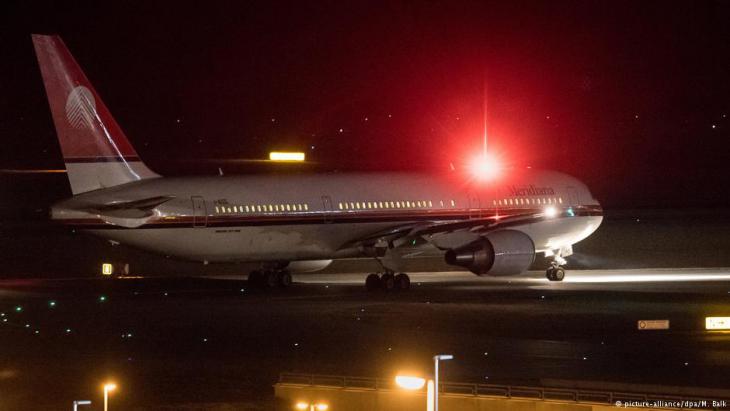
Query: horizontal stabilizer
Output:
(130,214)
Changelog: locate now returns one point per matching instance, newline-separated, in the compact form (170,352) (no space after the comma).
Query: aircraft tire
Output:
(270,279)
(372,282)
(559,274)
(550,274)
(402,282)
(284,279)
(387,281)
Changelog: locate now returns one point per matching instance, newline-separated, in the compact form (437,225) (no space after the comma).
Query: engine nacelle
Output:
(504,252)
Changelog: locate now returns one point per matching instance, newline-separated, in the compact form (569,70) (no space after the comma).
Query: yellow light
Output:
(301,406)
(485,167)
(409,382)
(110,386)
(107,269)
(286,156)
(717,323)
(322,407)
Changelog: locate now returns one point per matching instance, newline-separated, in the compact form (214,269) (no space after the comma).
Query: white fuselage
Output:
(323,216)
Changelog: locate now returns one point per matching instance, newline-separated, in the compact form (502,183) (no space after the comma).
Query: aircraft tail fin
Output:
(96,151)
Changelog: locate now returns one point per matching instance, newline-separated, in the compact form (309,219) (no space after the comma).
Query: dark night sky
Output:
(630,97)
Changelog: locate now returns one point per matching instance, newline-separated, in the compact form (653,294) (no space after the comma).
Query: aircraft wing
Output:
(442,234)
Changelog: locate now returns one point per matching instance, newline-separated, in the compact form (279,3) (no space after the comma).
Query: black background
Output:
(623,95)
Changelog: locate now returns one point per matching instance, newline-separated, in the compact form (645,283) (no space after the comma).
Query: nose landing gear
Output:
(555,272)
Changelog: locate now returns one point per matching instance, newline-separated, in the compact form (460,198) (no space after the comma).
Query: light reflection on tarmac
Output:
(229,340)
(701,280)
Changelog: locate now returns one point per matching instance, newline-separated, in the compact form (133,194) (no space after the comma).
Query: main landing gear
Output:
(270,278)
(388,281)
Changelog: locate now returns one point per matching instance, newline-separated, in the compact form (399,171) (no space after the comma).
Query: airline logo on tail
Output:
(96,152)
(81,108)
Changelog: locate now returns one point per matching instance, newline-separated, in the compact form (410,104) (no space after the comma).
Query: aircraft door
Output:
(200,212)
(327,207)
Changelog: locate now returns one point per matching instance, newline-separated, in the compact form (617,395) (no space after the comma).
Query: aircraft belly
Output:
(252,243)
(560,232)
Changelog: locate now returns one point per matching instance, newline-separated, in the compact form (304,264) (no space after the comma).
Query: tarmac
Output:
(186,341)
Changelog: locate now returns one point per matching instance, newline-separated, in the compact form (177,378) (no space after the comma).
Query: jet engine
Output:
(503,252)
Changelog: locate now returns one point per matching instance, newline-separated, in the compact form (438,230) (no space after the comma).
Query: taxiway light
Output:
(717,323)
(302,406)
(107,269)
(409,382)
(102,298)
(286,156)
(18,309)
(485,167)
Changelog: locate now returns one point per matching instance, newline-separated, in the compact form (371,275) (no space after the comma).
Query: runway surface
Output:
(704,280)
(192,340)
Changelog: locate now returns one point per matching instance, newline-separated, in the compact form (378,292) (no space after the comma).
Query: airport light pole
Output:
(80,402)
(108,387)
(436,360)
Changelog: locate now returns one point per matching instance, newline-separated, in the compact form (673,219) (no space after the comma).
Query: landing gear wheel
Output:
(402,282)
(387,281)
(270,279)
(284,279)
(555,273)
(559,274)
(550,273)
(372,282)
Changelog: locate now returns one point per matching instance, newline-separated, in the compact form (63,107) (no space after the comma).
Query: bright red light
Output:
(485,167)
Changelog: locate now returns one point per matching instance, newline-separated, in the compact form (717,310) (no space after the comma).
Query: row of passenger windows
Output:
(355,205)
(376,205)
(260,208)
(528,201)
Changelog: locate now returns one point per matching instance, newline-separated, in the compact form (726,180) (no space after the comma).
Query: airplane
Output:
(302,222)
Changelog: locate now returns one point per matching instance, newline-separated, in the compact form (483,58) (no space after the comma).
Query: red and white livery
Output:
(492,227)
